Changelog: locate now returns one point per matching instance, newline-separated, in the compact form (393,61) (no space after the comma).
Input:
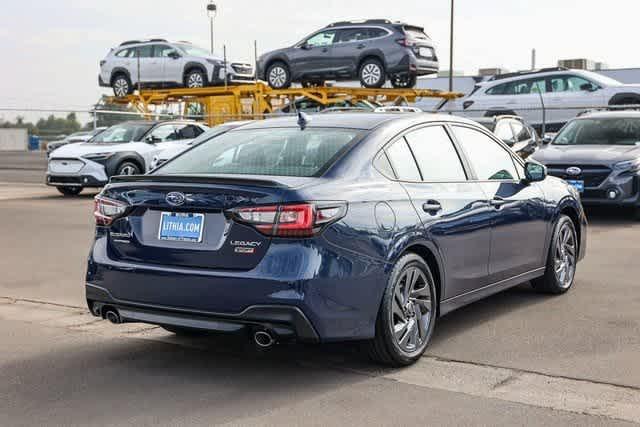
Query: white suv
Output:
(565,93)
(159,63)
(123,149)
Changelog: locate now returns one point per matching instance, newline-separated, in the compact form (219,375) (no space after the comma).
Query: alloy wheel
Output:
(121,87)
(195,80)
(411,312)
(128,170)
(371,74)
(565,256)
(277,76)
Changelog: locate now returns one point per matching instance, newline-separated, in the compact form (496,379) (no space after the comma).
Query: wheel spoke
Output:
(396,309)
(405,335)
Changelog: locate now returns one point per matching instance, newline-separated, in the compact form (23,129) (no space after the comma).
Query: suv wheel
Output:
(403,80)
(195,79)
(561,260)
(312,83)
(69,191)
(121,85)
(372,74)
(278,75)
(128,168)
(407,316)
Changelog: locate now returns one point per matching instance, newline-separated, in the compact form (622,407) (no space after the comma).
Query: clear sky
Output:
(50,49)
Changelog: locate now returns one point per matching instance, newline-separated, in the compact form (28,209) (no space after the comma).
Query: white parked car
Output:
(160,63)
(124,149)
(564,92)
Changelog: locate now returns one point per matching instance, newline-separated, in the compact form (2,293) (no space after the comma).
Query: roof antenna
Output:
(303,120)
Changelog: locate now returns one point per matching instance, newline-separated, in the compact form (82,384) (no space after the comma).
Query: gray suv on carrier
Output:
(372,51)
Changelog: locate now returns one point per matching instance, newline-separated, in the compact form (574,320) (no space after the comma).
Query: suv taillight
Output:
(299,220)
(107,210)
(405,42)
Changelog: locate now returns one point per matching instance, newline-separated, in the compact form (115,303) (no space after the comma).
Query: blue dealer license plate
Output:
(182,227)
(578,185)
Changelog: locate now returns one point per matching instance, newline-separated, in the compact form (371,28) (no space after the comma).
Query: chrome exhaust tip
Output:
(263,339)
(112,316)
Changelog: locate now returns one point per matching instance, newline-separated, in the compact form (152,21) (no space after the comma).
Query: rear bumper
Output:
(334,293)
(413,65)
(287,322)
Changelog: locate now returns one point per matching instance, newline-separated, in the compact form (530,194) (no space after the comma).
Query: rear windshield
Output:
(125,132)
(276,151)
(622,131)
(415,33)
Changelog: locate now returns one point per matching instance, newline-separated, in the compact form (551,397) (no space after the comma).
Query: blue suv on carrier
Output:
(354,226)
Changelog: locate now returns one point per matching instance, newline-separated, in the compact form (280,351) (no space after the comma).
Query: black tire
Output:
(128,168)
(278,75)
(185,332)
(121,85)
(312,83)
(387,346)
(195,78)
(69,191)
(372,73)
(636,213)
(553,282)
(404,81)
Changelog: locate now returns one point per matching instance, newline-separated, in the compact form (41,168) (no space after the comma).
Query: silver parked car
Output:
(159,63)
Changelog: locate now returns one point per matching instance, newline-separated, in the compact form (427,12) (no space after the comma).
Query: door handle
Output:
(431,206)
(361,46)
(497,202)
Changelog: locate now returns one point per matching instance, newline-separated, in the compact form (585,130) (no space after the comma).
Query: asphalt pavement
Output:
(513,359)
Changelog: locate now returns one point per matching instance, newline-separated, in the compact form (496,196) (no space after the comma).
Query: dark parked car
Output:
(513,131)
(354,226)
(372,51)
(599,154)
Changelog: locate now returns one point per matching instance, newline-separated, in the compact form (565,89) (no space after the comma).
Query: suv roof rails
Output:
(362,21)
(525,73)
(159,40)
(610,108)
(128,42)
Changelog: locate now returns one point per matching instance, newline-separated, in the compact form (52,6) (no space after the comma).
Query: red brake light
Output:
(107,210)
(300,220)
(404,42)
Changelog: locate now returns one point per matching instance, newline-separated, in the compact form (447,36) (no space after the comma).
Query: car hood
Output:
(82,148)
(586,154)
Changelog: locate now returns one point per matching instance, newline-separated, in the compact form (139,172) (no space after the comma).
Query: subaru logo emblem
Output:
(175,199)
(574,170)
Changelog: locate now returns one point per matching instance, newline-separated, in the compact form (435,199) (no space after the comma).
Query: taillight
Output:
(405,42)
(299,220)
(107,210)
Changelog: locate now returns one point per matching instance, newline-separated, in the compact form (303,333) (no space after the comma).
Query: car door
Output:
(519,225)
(568,95)
(142,65)
(312,58)
(454,211)
(346,51)
(171,66)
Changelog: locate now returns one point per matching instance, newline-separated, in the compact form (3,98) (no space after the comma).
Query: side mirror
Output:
(174,55)
(547,139)
(587,87)
(534,172)
(305,46)
(151,139)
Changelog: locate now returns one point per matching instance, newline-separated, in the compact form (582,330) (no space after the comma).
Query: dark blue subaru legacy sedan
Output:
(353,226)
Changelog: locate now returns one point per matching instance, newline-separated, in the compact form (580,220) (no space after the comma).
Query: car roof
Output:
(530,75)
(355,120)
(624,114)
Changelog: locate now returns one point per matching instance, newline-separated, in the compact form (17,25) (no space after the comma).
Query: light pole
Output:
(451,51)
(212,10)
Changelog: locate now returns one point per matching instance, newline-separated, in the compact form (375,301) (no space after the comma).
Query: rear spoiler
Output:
(195,179)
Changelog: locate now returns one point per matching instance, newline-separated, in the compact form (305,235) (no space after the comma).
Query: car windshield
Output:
(192,50)
(610,131)
(601,78)
(125,132)
(274,151)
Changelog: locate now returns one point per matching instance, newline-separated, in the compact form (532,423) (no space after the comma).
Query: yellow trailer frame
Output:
(258,100)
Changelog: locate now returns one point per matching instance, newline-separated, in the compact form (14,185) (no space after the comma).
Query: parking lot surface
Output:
(515,358)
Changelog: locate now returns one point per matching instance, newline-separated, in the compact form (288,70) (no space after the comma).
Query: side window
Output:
(497,90)
(504,132)
(520,131)
(325,38)
(353,35)
(436,156)
(575,83)
(125,53)
(164,133)
(144,51)
(558,84)
(489,160)
(377,32)
(189,132)
(403,161)
(162,51)
(384,167)
(537,85)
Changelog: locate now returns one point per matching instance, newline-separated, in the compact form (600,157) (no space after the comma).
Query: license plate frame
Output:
(184,231)
(578,184)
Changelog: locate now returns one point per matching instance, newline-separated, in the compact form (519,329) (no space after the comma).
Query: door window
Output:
(164,133)
(353,35)
(403,162)
(126,53)
(162,51)
(488,158)
(325,38)
(144,51)
(436,156)
(575,83)
(520,87)
(188,131)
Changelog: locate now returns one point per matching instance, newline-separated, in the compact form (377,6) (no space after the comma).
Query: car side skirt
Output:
(448,305)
